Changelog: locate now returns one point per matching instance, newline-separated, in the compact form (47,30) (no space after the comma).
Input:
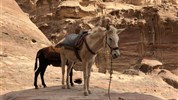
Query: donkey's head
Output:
(112,40)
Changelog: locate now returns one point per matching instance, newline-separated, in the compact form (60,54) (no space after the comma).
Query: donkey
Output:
(97,38)
(48,55)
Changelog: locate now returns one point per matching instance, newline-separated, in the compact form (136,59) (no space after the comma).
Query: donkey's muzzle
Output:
(115,53)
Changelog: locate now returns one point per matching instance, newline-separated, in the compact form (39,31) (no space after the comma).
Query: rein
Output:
(110,79)
(111,69)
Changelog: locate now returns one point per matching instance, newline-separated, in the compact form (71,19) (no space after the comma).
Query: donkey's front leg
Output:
(85,76)
(89,73)
(63,62)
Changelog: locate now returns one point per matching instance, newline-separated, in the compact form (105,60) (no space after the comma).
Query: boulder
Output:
(169,78)
(148,65)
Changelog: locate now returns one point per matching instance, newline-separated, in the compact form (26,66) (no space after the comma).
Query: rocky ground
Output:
(21,38)
(124,86)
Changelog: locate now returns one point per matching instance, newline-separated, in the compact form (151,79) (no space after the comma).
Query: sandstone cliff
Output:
(151,26)
(20,40)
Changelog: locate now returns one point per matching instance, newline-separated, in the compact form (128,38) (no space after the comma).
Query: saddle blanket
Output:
(72,40)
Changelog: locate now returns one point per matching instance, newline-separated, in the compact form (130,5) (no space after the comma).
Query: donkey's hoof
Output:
(36,87)
(68,87)
(63,87)
(89,91)
(85,93)
(44,86)
(72,84)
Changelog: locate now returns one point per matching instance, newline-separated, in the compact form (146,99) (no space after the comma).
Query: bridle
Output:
(111,48)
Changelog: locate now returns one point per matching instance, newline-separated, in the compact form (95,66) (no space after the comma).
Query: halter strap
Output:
(112,48)
(115,48)
(88,47)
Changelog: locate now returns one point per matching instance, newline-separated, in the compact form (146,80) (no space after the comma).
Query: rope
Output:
(110,72)
(110,79)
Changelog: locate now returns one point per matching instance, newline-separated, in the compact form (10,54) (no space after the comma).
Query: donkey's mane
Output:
(94,32)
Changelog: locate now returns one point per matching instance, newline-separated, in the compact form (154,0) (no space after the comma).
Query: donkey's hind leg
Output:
(43,69)
(36,77)
(71,79)
(69,67)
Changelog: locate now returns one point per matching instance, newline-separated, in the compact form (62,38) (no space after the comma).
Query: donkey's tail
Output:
(36,60)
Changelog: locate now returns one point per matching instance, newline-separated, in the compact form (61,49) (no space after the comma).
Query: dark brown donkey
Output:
(48,56)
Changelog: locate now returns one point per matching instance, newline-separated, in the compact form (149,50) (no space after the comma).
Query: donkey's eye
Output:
(110,39)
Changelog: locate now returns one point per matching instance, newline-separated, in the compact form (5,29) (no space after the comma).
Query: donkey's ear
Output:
(107,27)
(120,30)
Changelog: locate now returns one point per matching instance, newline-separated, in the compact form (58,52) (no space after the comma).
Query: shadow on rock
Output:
(76,93)
(134,96)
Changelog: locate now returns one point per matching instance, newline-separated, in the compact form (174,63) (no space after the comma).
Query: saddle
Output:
(74,42)
(80,39)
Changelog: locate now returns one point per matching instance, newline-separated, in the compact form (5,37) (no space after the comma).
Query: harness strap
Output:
(89,47)
(78,43)
(77,54)
(76,50)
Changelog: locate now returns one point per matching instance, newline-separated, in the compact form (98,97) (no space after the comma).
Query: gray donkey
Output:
(96,39)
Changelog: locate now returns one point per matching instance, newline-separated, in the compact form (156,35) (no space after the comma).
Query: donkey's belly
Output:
(55,62)
(70,55)
(56,65)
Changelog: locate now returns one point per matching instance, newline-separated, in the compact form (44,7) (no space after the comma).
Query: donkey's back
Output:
(50,55)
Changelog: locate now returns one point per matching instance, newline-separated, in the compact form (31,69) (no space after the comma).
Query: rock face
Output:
(151,33)
(19,34)
(73,9)
(151,28)
(147,2)
(20,40)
